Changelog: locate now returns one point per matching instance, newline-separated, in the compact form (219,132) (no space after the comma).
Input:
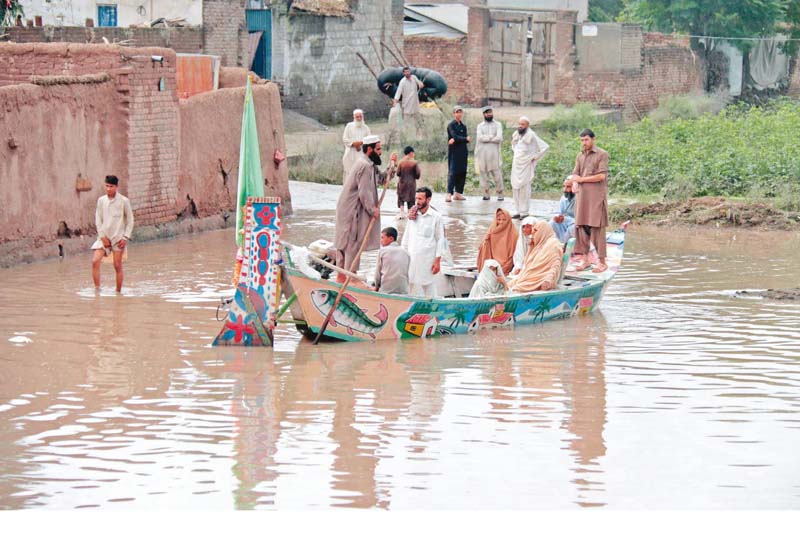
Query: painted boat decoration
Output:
(363,314)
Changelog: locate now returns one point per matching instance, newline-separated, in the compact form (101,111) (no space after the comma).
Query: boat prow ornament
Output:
(251,313)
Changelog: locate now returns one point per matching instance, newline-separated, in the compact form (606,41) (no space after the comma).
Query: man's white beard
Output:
(358,123)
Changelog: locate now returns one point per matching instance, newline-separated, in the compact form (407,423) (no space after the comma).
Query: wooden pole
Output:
(400,50)
(389,174)
(377,52)
(364,60)
(394,55)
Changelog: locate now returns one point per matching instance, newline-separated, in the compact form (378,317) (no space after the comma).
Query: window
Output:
(106,15)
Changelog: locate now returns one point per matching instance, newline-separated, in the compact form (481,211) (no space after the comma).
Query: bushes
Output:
(739,151)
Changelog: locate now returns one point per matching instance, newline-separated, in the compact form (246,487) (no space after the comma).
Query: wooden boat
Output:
(364,314)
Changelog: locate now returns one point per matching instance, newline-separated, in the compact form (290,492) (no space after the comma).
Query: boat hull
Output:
(364,315)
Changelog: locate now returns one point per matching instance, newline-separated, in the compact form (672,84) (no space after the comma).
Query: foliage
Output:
(721,18)
(318,165)
(687,106)
(605,10)
(9,10)
(739,151)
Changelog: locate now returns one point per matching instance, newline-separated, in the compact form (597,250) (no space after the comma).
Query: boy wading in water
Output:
(114,221)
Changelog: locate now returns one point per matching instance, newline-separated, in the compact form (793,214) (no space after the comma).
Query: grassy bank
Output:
(689,147)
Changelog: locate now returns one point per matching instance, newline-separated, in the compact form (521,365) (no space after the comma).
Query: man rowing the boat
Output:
(358,205)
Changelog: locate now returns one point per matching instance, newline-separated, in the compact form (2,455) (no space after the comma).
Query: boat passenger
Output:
(391,273)
(523,244)
(564,222)
(426,244)
(542,264)
(500,242)
(491,281)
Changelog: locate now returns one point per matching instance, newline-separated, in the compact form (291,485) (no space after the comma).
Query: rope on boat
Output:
(223,307)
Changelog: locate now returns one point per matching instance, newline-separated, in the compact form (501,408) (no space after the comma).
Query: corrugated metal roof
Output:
(454,16)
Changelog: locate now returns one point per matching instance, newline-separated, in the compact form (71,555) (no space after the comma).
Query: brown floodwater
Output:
(676,394)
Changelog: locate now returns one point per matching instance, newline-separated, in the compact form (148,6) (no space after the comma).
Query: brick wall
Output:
(179,39)
(446,56)
(225,31)
(153,144)
(668,67)
(315,58)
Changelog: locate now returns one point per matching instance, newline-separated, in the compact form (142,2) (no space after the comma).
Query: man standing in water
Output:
(114,221)
(591,201)
(425,242)
(358,205)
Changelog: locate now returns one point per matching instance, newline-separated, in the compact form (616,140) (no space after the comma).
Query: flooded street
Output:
(676,394)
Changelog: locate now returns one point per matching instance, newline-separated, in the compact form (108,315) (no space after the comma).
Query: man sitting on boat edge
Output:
(391,271)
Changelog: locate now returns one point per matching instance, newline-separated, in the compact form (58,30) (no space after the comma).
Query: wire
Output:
(684,36)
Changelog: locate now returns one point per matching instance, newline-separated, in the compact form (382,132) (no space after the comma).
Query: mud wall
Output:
(71,114)
(209,156)
(51,138)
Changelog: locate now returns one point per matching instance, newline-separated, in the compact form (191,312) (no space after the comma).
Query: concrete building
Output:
(112,13)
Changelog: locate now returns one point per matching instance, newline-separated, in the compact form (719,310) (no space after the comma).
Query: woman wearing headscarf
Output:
(490,282)
(500,242)
(542,264)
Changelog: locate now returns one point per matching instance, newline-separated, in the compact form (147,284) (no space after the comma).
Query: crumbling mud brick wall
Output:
(72,113)
(53,138)
(225,31)
(315,58)
(794,78)
(209,170)
(180,39)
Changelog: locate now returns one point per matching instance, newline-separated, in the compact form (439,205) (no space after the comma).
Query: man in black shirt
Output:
(457,140)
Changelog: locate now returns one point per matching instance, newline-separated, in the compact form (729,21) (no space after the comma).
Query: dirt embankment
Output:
(708,211)
(774,294)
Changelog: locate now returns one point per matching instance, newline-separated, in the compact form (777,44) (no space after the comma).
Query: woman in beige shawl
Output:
(543,262)
(500,242)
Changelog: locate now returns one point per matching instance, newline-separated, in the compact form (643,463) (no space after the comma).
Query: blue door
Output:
(107,15)
(261,21)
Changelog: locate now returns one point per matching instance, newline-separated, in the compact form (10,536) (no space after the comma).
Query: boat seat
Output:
(568,247)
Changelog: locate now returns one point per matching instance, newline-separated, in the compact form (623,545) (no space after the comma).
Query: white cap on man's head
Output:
(458,108)
(371,140)
(529,220)
(526,119)
(358,111)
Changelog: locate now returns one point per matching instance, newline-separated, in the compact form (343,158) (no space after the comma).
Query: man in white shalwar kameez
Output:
(528,150)
(487,153)
(425,242)
(407,95)
(353,138)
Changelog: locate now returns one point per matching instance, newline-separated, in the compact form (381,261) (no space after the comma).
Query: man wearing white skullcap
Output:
(528,150)
(353,137)
(358,204)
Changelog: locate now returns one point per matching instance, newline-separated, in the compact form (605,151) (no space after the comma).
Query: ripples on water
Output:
(677,394)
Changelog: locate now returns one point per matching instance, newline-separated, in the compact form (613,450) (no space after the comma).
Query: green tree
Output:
(716,18)
(605,10)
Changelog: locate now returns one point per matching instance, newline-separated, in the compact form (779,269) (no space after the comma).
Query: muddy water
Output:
(676,394)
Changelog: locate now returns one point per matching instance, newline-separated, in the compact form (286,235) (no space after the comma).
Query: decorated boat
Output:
(274,279)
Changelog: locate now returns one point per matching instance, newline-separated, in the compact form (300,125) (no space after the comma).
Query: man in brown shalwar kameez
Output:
(591,206)
(358,204)
(408,173)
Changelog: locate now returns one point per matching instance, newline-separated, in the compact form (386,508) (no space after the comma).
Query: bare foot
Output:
(582,266)
(600,268)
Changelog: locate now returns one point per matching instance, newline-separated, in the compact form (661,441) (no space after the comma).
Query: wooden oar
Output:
(389,174)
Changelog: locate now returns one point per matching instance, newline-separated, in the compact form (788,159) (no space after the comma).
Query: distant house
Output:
(114,13)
